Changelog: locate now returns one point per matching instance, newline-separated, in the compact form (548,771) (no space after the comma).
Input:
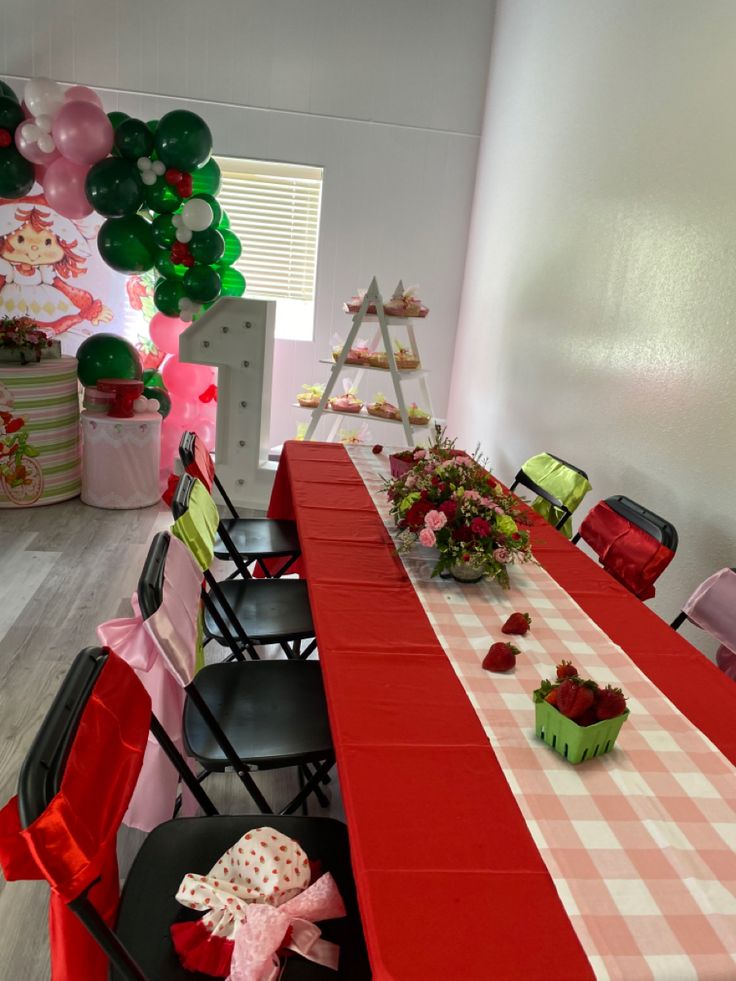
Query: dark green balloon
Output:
(208,179)
(16,174)
(202,284)
(153,379)
(208,246)
(224,222)
(161,396)
(183,140)
(11,114)
(166,267)
(212,202)
(114,187)
(166,296)
(107,356)
(233,248)
(152,124)
(5,89)
(233,282)
(133,139)
(126,244)
(116,118)
(164,232)
(161,197)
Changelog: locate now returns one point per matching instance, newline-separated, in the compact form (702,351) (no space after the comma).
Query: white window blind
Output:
(274,210)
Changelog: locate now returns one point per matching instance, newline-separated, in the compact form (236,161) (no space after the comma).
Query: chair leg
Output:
(678,621)
(576,538)
(310,786)
(309,649)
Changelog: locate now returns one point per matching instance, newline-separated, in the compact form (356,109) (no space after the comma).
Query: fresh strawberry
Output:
(610,703)
(552,697)
(377,449)
(565,669)
(574,698)
(517,623)
(588,718)
(500,657)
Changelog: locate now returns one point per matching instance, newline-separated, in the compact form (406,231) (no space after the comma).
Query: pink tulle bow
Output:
(259,938)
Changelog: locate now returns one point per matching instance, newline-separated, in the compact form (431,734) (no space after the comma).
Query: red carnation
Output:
(417,513)
(449,509)
(480,527)
(462,534)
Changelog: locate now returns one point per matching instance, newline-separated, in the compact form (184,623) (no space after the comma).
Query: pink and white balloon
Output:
(82,132)
(42,98)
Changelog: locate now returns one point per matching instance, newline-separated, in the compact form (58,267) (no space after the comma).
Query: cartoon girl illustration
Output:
(40,252)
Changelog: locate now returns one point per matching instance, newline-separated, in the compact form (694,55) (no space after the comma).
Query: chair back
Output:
(197,461)
(632,543)
(560,487)
(196,519)
(712,607)
(73,790)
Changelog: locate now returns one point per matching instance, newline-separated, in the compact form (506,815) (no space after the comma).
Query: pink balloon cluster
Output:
(64,134)
(185,383)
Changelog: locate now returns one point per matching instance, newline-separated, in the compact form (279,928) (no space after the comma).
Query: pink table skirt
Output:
(120,461)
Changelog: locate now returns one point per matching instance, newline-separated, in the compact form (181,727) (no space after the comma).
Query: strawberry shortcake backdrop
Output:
(110,226)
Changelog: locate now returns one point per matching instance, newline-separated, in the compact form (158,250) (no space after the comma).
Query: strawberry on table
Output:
(565,669)
(517,623)
(500,657)
(574,697)
(610,703)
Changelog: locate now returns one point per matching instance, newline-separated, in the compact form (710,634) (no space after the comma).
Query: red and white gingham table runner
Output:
(640,843)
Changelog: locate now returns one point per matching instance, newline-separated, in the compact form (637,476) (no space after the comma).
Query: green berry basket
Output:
(576,743)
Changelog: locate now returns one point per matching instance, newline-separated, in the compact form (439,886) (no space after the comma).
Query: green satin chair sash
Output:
(564,483)
(197,528)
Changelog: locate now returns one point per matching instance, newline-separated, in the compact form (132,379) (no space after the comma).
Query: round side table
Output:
(120,460)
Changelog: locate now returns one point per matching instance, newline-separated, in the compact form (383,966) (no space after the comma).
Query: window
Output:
(274,210)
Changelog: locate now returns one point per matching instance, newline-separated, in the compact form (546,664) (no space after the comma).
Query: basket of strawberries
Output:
(576,717)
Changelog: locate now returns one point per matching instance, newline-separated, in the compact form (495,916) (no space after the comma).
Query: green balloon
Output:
(208,246)
(202,284)
(11,114)
(126,244)
(233,248)
(164,231)
(208,179)
(5,89)
(16,174)
(166,267)
(233,282)
(107,356)
(166,296)
(116,118)
(224,221)
(114,187)
(153,379)
(212,202)
(152,124)
(183,140)
(133,139)
(161,197)
(161,396)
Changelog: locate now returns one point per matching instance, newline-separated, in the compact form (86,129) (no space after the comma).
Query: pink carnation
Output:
(472,495)
(435,520)
(420,454)
(426,537)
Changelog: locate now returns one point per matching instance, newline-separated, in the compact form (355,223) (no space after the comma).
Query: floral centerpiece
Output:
(449,501)
(21,339)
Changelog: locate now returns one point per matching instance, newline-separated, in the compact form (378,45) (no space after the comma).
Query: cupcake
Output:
(346,403)
(310,397)
(405,305)
(406,360)
(382,409)
(417,416)
(379,359)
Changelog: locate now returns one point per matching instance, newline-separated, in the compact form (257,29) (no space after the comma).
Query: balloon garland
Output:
(155,184)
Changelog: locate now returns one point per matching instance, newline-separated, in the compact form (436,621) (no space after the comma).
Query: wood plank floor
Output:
(64,569)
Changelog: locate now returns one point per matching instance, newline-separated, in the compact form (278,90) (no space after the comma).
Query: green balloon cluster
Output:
(16,173)
(158,193)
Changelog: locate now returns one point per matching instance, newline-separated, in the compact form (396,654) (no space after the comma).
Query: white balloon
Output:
(144,164)
(148,177)
(197,215)
(152,405)
(44,123)
(140,404)
(46,143)
(176,221)
(31,133)
(42,96)
(183,235)
(158,167)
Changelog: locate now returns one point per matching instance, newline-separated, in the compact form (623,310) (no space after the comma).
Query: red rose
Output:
(417,513)
(480,527)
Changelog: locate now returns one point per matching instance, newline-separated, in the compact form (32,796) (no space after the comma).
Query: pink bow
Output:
(263,933)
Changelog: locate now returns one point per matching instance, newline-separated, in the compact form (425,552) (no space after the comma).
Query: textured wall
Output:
(597,315)
(387,97)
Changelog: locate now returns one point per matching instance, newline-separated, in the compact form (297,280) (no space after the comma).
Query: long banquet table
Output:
(450,881)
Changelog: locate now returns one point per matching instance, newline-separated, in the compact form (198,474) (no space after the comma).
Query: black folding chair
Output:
(250,715)
(255,541)
(245,613)
(139,946)
(526,481)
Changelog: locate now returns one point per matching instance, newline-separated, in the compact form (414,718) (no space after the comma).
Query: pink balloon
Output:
(170,436)
(184,411)
(82,132)
(80,93)
(63,185)
(31,151)
(165,332)
(186,380)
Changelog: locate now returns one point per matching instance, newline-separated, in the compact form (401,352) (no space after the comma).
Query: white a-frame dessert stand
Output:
(382,322)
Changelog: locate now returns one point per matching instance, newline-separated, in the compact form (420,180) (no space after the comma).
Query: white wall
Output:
(597,318)
(387,96)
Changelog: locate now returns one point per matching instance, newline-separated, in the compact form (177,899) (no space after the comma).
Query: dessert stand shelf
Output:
(383,322)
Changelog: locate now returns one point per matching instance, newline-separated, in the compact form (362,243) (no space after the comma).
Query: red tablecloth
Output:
(451,885)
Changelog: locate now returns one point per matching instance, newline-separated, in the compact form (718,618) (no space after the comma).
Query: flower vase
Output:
(471,571)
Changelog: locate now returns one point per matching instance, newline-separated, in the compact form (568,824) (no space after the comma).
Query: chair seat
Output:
(273,712)
(148,907)
(270,610)
(259,537)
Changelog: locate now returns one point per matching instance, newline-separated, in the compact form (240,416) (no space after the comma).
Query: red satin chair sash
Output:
(72,844)
(625,551)
(202,466)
